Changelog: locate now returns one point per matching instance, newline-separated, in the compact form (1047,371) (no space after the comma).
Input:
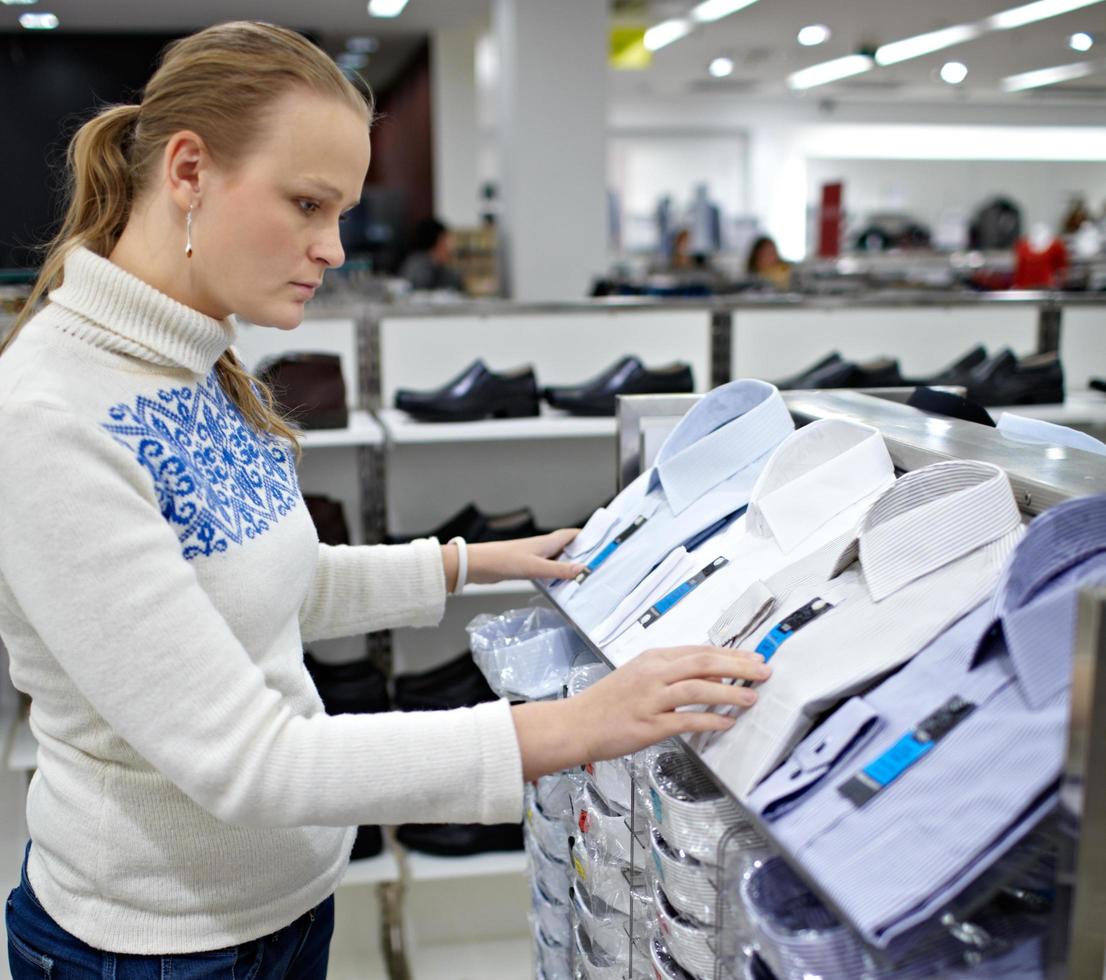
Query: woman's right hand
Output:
(635,706)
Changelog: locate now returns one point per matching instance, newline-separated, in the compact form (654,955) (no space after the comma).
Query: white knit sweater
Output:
(159,573)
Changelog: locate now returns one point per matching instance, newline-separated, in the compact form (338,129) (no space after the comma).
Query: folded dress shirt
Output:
(905,796)
(813,491)
(929,550)
(1020,428)
(702,478)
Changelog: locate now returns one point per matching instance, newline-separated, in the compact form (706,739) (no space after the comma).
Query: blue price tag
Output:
(663,605)
(610,549)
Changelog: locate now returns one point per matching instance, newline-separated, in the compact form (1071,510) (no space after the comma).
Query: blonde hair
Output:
(218,83)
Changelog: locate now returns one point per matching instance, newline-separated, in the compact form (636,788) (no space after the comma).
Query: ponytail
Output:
(100,198)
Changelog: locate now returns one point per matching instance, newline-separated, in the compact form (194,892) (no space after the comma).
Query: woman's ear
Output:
(186,161)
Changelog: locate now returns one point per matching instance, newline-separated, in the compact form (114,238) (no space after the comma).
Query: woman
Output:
(192,809)
(764,262)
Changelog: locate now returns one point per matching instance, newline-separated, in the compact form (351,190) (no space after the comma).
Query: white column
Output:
(552,141)
(455,125)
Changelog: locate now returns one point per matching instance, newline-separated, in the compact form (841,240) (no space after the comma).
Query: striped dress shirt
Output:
(895,813)
(703,476)
(930,549)
(815,488)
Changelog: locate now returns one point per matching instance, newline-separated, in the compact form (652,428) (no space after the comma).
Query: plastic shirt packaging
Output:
(608,928)
(552,875)
(525,654)
(595,963)
(550,833)
(608,882)
(603,827)
(665,966)
(550,916)
(554,795)
(581,676)
(611,778)
(689,940)
(554,961)
(692,813)
(691,885)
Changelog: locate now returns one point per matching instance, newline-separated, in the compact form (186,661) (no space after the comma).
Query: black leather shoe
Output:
(832,371)
(1099,384)
(457,839)
(881,373)
(949,405)
(455,684)
(1006,380)
(476,393)
(956,373)
(627,376)
(474,526)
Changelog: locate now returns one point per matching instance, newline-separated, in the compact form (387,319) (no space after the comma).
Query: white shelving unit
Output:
(402,429)
(371,871)
(429,867)
(363,430)
(517,587)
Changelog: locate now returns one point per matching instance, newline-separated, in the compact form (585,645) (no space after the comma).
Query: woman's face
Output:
(767,256)
(265,232)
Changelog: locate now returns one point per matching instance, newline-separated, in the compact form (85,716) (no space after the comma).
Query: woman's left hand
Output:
(523,558)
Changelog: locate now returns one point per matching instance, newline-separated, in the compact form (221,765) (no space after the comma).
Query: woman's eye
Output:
(308,207)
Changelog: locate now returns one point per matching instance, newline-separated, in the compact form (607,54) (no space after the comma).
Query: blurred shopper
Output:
(428,266)
(765,263)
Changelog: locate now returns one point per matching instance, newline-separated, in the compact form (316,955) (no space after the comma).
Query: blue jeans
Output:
(40,949)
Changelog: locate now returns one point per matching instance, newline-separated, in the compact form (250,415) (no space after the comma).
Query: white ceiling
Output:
(760,39)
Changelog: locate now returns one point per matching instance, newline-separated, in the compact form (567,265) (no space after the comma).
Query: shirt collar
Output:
(816,473)
(928,519)
(1034,620)
(119,312)
(731,427)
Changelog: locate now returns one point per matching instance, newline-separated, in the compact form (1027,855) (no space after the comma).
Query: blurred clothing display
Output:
(996,225)
(1039,265)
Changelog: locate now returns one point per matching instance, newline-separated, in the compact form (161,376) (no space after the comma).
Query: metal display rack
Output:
(1041,477)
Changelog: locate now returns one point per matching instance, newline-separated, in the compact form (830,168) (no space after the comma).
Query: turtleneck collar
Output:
(117,311)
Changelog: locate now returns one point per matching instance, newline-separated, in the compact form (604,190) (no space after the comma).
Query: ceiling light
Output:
(1082,41)
(17,3)
(829,71)
(954,72)
(38,22)
(1030,12)
(386,8)
(1046,76)
(813,34)
(362,45)
(710,10)
(721,67)
(915,47)
(666,32)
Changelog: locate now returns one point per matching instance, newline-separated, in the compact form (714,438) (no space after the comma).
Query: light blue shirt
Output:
(895,813)
(704,473)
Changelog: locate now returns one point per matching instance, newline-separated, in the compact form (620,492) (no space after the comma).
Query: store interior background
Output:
(506,120)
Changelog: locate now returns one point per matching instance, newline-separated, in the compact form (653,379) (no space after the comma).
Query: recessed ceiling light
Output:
(665,33)
(813,35)
(721,67)
(915,47)
(710,10)
(362,45)
(954,72)
(1046,76)
(1081,41)
(1032,12)
(17,3)
(38,22)
(386,8)
(830,71)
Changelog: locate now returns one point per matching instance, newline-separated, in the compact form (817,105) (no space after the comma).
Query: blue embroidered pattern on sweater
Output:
(217,479)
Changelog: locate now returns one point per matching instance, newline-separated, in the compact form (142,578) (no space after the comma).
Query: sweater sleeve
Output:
(374,587)
(98,575)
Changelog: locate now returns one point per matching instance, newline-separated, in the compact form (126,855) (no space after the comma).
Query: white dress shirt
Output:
(1019,428)
(704,473)
(930,549)
(814,489)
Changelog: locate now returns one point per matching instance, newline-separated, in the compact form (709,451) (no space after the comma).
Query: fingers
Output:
(546,568)
(689,722)
(555,542)
(682,663)
(697,691)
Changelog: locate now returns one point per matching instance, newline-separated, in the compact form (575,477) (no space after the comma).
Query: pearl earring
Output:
(188,228)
